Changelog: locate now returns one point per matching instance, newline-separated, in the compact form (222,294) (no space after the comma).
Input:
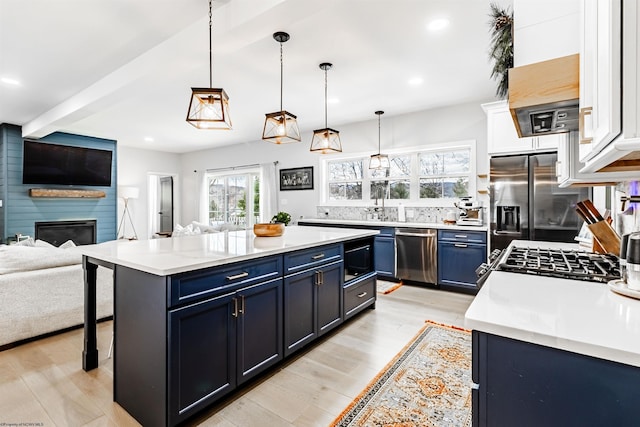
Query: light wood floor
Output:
(43,381)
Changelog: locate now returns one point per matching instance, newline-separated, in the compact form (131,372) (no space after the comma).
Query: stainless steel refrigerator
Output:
(527,204)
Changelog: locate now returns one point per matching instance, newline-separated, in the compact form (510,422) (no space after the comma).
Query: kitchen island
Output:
(197,316)
(551,351)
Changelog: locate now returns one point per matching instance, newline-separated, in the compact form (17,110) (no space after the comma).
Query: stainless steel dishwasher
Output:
(417,250)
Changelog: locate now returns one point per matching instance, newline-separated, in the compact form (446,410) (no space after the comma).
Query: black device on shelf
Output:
(357,259)
(46,163)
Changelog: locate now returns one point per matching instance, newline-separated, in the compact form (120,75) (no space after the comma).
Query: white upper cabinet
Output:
(600,75)
(610,61)
(502,137)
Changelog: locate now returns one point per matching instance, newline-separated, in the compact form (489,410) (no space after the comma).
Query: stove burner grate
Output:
(567,264)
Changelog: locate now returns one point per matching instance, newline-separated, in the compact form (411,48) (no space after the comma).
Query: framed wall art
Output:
(296,179)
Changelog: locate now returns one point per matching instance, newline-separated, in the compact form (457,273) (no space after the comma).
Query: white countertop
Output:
(179,254)
(395,224)
(573,315)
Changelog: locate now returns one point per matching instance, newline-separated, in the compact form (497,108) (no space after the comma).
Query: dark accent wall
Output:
(20,212)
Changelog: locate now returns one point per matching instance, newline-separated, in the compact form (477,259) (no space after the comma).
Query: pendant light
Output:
(209,107)
(281,127)
(326,140)
(379,161)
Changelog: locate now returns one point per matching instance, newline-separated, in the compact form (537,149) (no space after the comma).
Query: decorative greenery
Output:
(282,217)
(501,50)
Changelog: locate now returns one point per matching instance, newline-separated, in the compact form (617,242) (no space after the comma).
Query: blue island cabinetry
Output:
(184,340)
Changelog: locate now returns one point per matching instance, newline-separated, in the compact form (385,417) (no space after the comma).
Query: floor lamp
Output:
(127,193)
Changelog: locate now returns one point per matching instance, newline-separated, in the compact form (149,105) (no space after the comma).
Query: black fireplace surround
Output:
(81,232)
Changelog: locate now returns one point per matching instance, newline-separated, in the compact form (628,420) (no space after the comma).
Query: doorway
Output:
(162,197)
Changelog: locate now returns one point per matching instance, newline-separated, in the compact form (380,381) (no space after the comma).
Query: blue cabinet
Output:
(384,250)
(313,295)
(460,253)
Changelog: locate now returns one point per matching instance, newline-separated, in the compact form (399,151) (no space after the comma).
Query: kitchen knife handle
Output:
(589,205)
(584,213)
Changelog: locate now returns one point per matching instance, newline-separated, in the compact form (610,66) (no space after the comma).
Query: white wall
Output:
(134,166)
(437,126)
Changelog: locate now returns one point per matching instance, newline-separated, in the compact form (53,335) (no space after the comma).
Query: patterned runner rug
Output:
(426,385)
(385,287)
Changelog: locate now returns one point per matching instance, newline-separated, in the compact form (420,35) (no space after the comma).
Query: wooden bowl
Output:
(268,229)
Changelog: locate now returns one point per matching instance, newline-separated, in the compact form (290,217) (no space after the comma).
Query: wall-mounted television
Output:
(45,163)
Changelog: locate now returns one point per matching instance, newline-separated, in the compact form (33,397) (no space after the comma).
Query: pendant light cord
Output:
(210,50)
(325,98)
(378,134)
(281,74)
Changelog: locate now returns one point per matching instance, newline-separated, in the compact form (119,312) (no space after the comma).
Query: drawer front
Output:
(307,258)
(200,284)
(463,236)
(359,294)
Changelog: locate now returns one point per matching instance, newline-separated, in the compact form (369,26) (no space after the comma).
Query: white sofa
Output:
(42,290)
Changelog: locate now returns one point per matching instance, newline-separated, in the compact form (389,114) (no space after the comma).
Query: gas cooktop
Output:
(566,264)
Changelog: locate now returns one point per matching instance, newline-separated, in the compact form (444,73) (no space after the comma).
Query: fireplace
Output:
(81,232)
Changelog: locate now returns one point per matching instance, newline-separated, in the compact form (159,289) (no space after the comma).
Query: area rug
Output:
(385,287)
(428,384)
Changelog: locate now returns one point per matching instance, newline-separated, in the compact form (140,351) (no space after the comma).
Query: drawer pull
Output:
(361,295)
(460,236)
(238,276)
(319,256)
(460,245)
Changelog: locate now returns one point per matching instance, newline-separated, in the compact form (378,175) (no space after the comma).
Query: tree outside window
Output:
(228,196)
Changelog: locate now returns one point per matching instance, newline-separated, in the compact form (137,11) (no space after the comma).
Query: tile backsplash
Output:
(626,221)
(412,214)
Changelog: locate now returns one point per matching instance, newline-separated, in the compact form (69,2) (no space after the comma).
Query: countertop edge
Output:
(99,251)
(393,224)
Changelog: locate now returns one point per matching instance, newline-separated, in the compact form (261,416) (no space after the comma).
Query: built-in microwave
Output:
(358,259)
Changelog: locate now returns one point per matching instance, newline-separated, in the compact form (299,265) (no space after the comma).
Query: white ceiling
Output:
(123,69)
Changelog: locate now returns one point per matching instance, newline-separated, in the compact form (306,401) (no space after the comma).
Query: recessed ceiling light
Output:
(416,81)
(148,139)
(10,81)
(438,24)
(333,101)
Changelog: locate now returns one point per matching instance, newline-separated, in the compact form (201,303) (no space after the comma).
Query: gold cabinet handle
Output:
(238,276)
(585,111)
(235,307)
(461,236)
(319,256)
(460,245)
(362,295)
(241,310)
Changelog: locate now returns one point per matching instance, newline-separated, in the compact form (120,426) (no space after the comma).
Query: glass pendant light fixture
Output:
(379,161)
(209,107)
(281,127)
(326,140)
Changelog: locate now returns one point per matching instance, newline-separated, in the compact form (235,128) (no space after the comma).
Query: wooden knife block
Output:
(605,238)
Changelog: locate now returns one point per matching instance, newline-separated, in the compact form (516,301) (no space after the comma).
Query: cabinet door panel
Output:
(201,355)
(299,310)
(384,254)
(330,297)
(457,262)
(259,328)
